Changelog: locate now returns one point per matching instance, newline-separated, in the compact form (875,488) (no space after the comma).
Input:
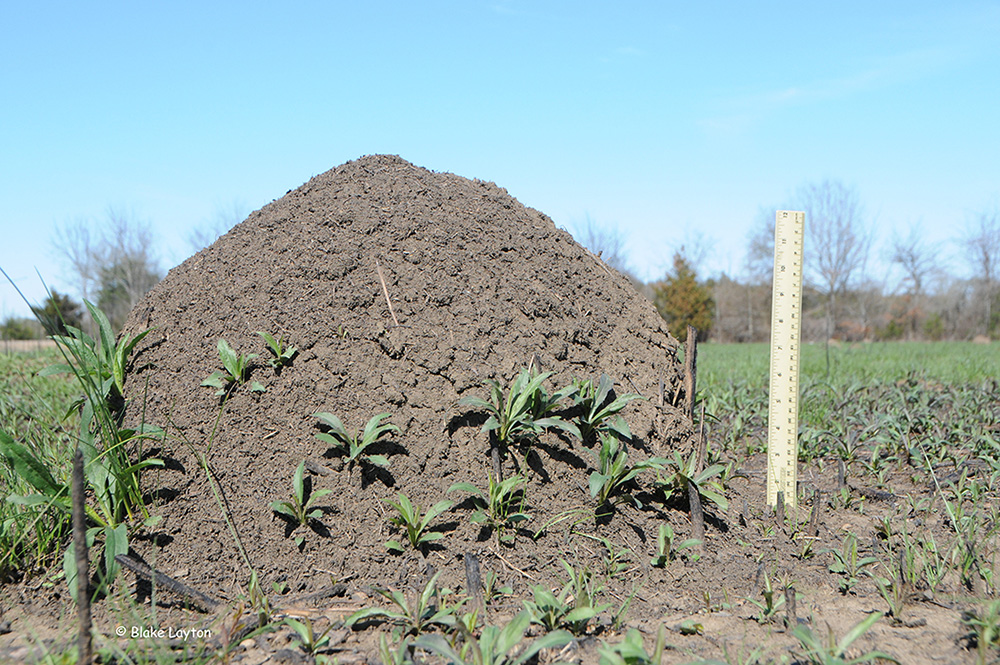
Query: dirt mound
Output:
(478,284)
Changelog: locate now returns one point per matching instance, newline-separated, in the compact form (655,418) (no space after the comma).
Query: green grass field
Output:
(943,362)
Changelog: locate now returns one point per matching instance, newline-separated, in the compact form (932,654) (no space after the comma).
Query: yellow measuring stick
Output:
(786,334)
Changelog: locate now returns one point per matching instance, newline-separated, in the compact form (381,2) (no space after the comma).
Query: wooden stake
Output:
(697,512)
(790,619)
(85,644)
(474,583)
(690,353)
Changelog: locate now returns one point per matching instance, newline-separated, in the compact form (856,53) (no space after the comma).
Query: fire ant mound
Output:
(403,291)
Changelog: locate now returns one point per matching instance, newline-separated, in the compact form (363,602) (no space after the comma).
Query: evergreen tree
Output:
(58,311)
(682,301)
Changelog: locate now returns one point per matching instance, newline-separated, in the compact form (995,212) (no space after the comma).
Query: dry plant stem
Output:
(514,568)
(814,516)
(697,512)
(790,619)
(196,598)
(690,352)
(474,582)
(85,639)
(779,511)
(690,386)
(702,442)
(385,292)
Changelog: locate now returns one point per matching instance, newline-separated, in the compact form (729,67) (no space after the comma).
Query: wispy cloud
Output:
(738,113)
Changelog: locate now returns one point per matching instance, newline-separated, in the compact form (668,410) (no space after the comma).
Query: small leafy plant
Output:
(983,630)
(833,652)
(283,354)
(631,651)
(500,507)
(354,445)
(773,601)
(236,371)
(408,517)
(598,411)
(495,646)
(847,563)
(300,509)
(572,609)
(492,590)
(524,412)
(614,470)
(682,473)
(411,619)
(310,642)
(666,551)
(104,360)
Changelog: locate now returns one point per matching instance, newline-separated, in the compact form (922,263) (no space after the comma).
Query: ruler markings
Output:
(783,393)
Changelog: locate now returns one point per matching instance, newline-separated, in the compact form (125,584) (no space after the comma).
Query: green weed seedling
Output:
(411,619)
(524,412)
(832,652)
(398,654)
(598,411)
(665,549)
(614,470)
(631,651)
(773,601)
(846,562)
(501,507)
(236,371)
(408,517)
(309,641)
(572,609)
(354,445)
(300,510)
(495,646)
(681,473)
(615,559)
(492,589)
(283,354)
(984,630)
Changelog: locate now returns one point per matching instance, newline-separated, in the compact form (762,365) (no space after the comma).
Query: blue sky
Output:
(668,120)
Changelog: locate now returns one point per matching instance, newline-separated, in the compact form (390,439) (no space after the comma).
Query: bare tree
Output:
(73,242)
(117,260)
(982,242)
(837,240)
(918,263)
(914,258)
(759,262)
(224,218)
(607,242)
(758,268)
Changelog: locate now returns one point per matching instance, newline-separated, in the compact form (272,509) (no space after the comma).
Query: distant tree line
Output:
(111,263)
(841,298)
